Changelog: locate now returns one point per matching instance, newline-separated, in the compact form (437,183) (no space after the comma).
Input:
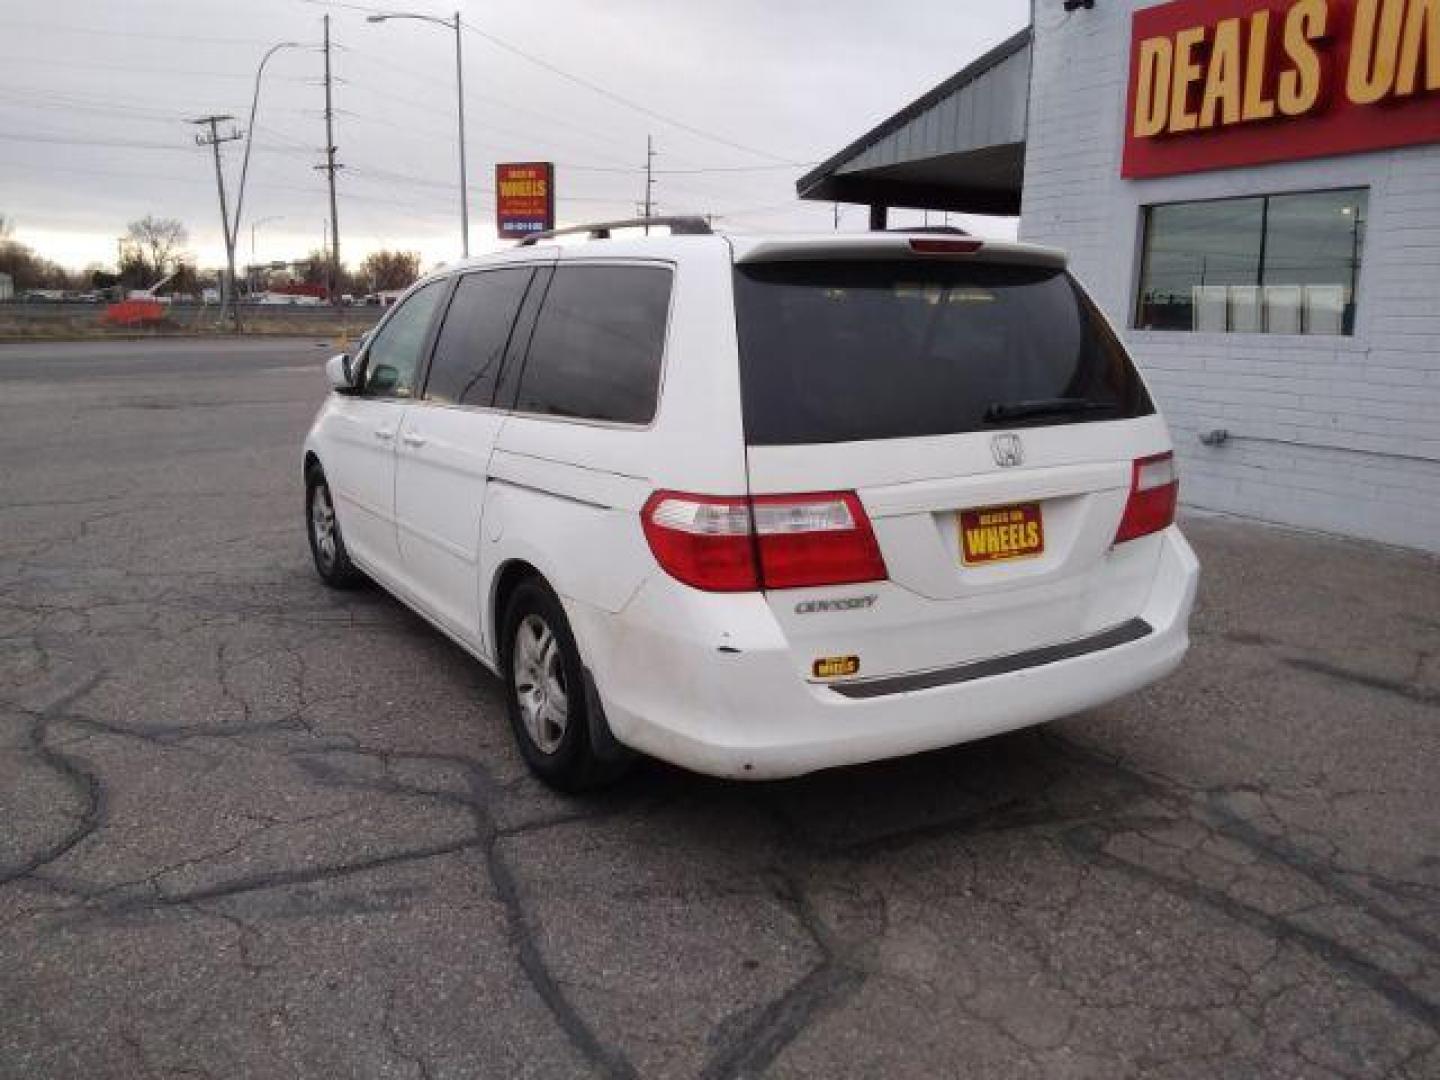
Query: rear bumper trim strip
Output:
(1123,634)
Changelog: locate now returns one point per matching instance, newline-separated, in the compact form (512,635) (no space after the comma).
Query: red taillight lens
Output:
(815,540)
(799,540)
(702,540)
(1154,491)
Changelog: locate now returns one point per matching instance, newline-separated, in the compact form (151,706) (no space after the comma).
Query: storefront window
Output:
(1279,264)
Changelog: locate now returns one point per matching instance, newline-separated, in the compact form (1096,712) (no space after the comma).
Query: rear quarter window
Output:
(598,344)
(850,351)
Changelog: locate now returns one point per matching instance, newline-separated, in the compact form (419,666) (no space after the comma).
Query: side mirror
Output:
(340,372)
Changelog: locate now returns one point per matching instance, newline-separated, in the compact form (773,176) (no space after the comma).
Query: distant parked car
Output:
(44,296)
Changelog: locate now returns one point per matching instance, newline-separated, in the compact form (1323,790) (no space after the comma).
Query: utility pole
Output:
(649,181)
(329,167)
(213,139)
(837,217)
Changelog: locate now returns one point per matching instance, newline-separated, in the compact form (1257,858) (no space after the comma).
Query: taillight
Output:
(1154,490)
(815,540)
(702,540)
(770,541)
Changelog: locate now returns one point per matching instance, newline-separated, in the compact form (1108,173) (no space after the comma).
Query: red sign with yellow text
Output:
(524,198)
(1222,83)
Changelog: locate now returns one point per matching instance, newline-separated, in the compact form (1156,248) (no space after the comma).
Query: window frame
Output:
(662,376)
(536,268)
(427,343)
(1142,249)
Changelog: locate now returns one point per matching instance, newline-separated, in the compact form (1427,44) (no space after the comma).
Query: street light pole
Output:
(449,24)
(249,139)
(460,108)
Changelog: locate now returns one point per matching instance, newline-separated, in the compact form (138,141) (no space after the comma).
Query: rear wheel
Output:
(327,545)
(547,697)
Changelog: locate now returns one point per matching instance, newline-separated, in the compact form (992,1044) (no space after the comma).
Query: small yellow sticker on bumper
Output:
(834,667)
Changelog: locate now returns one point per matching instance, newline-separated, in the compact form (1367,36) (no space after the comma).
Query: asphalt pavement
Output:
(251,827)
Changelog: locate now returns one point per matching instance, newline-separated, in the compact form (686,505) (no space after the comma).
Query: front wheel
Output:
(327,545)
(550,710)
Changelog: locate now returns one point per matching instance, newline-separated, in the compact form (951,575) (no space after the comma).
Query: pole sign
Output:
(524,198)
(1222,83)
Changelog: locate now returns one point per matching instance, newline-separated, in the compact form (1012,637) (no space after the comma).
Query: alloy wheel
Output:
(538,665)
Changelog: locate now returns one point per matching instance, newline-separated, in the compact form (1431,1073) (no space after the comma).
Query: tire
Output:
(322,526)
(554,714)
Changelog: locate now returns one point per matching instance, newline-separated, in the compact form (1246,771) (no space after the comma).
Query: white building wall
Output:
(1338,434)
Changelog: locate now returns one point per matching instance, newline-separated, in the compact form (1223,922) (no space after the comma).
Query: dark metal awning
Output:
(960,147)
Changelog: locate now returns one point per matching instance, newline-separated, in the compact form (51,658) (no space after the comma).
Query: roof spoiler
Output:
(679,225)
(890,246)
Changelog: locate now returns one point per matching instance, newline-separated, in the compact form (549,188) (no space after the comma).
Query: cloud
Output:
(94,99)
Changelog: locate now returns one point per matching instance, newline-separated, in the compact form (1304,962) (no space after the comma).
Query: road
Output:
(250,827)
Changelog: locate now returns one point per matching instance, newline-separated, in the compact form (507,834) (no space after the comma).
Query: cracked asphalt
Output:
(251,827)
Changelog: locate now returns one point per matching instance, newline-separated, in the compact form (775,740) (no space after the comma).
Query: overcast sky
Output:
(95,95)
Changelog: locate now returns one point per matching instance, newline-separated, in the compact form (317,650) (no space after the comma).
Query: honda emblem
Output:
(1008,450)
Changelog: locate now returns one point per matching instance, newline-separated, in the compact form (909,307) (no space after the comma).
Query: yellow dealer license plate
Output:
(997,533)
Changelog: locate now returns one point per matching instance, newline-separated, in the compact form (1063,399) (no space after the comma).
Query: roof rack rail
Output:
(680,225)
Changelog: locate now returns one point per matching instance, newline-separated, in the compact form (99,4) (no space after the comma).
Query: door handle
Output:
(412,439)
(384,434)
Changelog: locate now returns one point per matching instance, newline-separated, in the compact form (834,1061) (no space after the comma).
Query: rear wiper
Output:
(1002,412)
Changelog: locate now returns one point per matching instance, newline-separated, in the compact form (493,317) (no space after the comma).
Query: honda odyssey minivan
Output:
(760,505)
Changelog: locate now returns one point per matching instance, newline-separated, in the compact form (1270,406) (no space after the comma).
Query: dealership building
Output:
(1251,191)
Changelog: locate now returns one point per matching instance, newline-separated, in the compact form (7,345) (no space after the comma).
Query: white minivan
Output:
(760,505)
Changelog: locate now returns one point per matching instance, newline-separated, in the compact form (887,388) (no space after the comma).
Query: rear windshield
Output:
(844,351)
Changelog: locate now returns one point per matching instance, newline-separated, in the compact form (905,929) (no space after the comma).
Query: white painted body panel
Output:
(934,610)
(442,469)
(709,682)
(359,436)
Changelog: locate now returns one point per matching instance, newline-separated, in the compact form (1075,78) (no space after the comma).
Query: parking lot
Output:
(252,827)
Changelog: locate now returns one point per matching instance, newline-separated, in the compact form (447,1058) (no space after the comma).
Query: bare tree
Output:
(387,270)
(160,239)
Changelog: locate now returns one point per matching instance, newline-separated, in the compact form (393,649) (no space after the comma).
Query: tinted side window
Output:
(597,346)
(393,359)
(471,347)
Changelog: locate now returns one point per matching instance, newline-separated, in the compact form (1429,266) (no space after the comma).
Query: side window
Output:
(470,350)
(598,344)
(393,359)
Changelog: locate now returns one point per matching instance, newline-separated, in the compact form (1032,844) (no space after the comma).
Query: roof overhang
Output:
(960,147)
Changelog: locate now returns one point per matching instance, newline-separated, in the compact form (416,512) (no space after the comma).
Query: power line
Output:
(578,80)
(90,65)
(619,99)
(123,144)
(145,34)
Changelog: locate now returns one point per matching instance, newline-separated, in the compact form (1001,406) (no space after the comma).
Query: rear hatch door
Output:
(986,416)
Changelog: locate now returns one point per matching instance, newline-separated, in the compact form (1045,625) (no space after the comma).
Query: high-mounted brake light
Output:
(771,541)
(1154,491)
(946,247)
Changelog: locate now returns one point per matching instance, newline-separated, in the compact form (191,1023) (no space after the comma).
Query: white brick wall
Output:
(1365,409)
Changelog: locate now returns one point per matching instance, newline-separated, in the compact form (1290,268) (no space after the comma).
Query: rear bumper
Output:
(727,701)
